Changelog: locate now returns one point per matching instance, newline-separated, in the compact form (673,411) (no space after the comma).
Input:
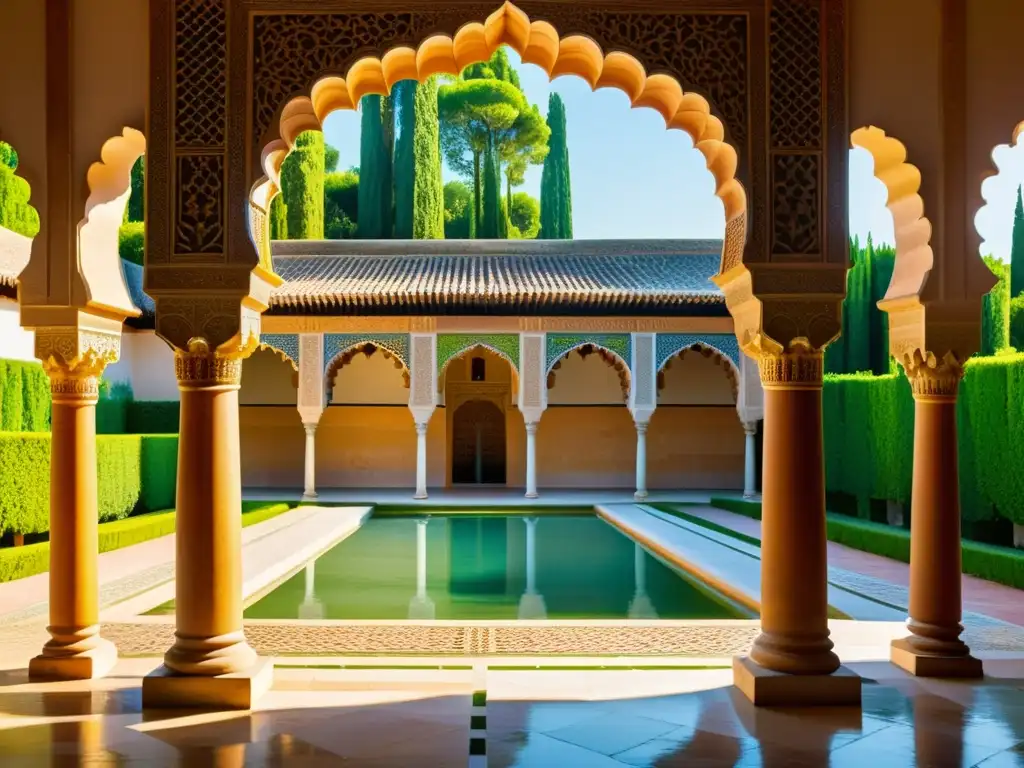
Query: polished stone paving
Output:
(534,719)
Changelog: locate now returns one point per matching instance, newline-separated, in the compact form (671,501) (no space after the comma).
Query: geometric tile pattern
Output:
(561,344)
(285,343)
(669,344)
(337,343)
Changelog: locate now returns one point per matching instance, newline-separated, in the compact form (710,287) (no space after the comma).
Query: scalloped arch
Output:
(285,357)
(732,371)
(339,361)
(1015,138)
(475,346)
(913,230)
(109,184)
(537,42)
(625,374)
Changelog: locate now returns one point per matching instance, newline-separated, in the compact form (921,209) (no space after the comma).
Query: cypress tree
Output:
(881,274)
(1017,249)
(375,181)
(136,207)
(995,310)
(858,312)
(302,184)
(405,167)
(278,219)
(428,189)
(387,186)
(555,186)
(490,227)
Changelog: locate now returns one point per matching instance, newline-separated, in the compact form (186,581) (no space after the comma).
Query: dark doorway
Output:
(478,444)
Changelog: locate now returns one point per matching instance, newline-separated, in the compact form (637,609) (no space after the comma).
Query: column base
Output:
(310,496)
(640,496)
(532,495)
(420,496)
(911,660)
(165,689)
(768,688)
(87,665)
(749,496)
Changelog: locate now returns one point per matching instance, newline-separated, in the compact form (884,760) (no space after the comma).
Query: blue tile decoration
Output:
(668,345)
(285,343)
(561,344)
(395,343)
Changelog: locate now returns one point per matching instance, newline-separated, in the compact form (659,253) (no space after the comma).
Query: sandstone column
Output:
(210,662)
(750,461)
(934,647)
(531,459)
(75,650)
(641,461)
(421,461)
(309,492)
(794,640)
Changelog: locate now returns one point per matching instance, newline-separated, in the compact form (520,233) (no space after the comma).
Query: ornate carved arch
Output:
(1015,137)
(368,348)
(612,359)
(537,42)
(284,345)
(732,372)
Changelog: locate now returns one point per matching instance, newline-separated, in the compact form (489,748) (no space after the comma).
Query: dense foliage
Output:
(24,398)
(302,186)
(131,242)
(864,344)
(419,195)
(1017,249)
(375,169)
(995,310)
(555,185)
(16,214)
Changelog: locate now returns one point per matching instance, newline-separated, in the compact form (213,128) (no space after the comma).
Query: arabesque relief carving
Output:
(74,358)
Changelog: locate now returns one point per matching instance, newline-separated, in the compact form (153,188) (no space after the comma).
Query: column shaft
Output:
(421,461)
(309,491)
(750,462)
(75,649)
(641,462)
(208,583)
(531,460)
(794,591)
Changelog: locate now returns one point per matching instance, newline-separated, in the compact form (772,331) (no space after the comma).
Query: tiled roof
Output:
(600,277)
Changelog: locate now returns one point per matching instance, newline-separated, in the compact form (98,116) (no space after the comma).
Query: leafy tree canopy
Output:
(524,216)
(469,110)
(331,157)
(8,156)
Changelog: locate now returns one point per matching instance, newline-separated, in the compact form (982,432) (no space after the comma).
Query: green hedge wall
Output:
(24,397)
(152,417)
(135,473)
(869,428)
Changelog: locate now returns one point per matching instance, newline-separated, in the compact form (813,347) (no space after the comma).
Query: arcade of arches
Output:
(769,91)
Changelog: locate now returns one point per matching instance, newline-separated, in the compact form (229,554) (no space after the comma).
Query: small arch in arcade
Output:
(611,359)
(710,353)
(474,353)
(367,349)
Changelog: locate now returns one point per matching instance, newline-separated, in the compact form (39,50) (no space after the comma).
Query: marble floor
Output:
(502,718)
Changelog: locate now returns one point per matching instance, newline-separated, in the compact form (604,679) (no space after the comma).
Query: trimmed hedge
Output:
(135,472)
(24,397)
(1000,564)
(19,562)
(152,417)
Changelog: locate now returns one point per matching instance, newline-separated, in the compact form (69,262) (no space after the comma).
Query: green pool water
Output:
(493,567)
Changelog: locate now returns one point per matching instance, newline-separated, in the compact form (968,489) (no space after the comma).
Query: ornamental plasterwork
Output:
(670,344)
(450,346)
(561,344)
(337,343)
(286,344)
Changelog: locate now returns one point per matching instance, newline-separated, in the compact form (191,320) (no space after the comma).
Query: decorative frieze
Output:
(287,344)
(338,343)
(561,344)
(671,344)
(450,346)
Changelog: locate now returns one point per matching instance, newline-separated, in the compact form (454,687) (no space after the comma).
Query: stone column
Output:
(309,492)
(794,641)
(421,461)
(531,459)
(75,650)
(210,663)
(641,461)
(934,647)
(750,461)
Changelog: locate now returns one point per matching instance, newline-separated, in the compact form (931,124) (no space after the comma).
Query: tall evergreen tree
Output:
(136,208)
(405,163)
(490,223)
(375,171)
(995,310)
(1017,249)
(857,317)
(302,184)
(428,190)
(555,186)
(278,219)
(387,203)
(883,262)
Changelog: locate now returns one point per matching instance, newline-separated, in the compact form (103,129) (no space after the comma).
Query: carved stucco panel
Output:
(311,388)
(533,385)
(423,390)
(643,395)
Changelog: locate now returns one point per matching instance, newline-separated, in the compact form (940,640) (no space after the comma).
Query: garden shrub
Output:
(131,242)
(112,408)
(153,417)
(24,397)
(19,562)
(1017,321)
(159,469)
(254,512)
(135,530)
(24,482)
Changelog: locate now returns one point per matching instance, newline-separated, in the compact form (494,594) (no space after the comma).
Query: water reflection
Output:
(493,567)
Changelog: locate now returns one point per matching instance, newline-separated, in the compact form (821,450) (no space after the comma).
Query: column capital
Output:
(421,427)
(800,365)
(202,366)
(933,378)
(74,358)
(750,427)
(641,427)
(310,427)
(532,426)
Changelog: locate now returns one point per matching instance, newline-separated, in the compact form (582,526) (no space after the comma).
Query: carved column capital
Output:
(74,358)
(203,366)
(800,365)
(933,378)
(750,427)
(531,427)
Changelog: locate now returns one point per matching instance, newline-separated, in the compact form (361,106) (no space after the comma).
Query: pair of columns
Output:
(792,662)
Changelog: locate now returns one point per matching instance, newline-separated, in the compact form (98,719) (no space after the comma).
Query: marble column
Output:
(531,604)
(750,460)
(210,663)
(641,461)
(934,647)
(75,650)
(421,607)
(421,461)
(531,459)
(309,491)
(794,640)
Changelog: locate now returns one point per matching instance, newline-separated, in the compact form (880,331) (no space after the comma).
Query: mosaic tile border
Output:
(337,343)
(561,344)
(286,344)
(670,344)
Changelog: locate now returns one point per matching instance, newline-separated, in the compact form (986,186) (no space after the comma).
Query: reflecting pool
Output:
(493,567)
